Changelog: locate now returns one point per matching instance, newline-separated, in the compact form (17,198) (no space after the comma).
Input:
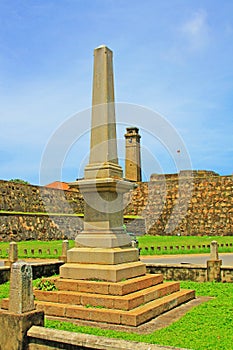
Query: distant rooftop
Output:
(59,185)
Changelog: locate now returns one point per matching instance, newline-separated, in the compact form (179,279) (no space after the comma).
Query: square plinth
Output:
(102,256)
(113,273)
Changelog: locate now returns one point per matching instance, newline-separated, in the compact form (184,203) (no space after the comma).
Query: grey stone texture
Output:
(21,314)
(43,339)
(14,327)
(21,291)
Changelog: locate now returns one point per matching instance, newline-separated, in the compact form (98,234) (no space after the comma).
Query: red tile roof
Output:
(59,185)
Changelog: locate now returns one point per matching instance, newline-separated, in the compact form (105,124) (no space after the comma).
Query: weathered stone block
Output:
(14,327)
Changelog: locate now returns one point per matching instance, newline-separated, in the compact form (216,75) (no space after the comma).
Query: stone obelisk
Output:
(103,250)
(116,280)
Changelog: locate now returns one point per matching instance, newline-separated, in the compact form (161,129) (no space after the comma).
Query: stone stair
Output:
(131,302)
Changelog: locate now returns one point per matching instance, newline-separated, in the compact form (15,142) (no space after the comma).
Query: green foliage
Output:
(19,181)
(45,285)
(88,306)
(4,290)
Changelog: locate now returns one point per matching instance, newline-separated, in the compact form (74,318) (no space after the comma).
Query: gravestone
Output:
(21,292)
(15,322)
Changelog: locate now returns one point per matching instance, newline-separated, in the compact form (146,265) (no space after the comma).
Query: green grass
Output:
(144,241)
(7,212)
(36,245)
(162,241)
(207,326)
(4,290)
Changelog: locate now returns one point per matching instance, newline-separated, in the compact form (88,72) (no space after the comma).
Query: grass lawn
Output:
(207,326)
(49,249)
(145,243)
(149,244)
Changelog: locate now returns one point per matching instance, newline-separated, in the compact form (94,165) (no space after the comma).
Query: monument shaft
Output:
(103,250)
(103,132)
(103,186)
(103,160)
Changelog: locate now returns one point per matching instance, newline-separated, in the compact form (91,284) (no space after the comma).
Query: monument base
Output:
(112,264)
(130,303)
(113,273)
(102,256)
(102,239)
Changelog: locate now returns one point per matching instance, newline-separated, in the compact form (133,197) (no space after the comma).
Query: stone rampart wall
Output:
(162,203)
(28,198)
(42,227)
(18,202)
(184,205)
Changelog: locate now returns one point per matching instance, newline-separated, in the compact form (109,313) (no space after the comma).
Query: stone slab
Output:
(120,288)
(134,317)
(39,335)
(102,256)
(113,273)
(146,312)
(126,302)
(102,239)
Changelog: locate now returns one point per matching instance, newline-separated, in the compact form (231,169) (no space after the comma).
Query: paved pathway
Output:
(227,259)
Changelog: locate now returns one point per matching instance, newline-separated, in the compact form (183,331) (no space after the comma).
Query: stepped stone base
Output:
(131,302)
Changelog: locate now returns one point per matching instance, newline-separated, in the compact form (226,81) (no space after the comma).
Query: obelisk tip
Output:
(103,47)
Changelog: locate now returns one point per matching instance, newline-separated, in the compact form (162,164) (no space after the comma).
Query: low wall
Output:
(44,339)
(39,269)
(174,272)
(188,272)
(4,274)
(227,274)
(47,269)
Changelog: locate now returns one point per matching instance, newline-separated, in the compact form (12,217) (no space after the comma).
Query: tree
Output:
(19,181)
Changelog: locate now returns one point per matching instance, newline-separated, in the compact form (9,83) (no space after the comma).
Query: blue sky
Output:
(174,57)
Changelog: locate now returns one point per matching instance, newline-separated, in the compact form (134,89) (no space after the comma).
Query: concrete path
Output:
(197,259)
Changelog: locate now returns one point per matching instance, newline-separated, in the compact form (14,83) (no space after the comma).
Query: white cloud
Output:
(191,36)
(195,31)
